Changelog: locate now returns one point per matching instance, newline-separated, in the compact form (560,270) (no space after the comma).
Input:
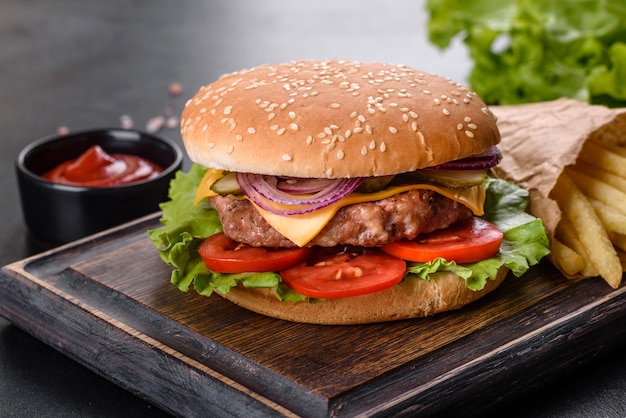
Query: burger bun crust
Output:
(334,119)
(412,298)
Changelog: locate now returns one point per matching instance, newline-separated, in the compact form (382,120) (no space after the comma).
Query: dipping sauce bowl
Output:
(58,213)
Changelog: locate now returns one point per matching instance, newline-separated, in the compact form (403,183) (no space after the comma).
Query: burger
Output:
(343,192)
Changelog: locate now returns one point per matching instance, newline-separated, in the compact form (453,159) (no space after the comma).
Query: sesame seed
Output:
(368,129)
(271,116)
(227,110)
(273,127)
(393,130)
(294,126)
(329,172)
(472,126)
(205,127)
(286,157)
(414,126)
(357,130)
(364,151)
(292,115)
(467,119)
(405,117)
(335,105)
(459,126)
(446,111)
(281,131)
(309,140)
(251,130)
(340,154)
(372,145)
(230,149)
(383,147)
(239,137)
(211,144)
(470,134)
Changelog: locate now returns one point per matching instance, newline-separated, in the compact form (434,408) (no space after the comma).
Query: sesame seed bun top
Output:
(334,119)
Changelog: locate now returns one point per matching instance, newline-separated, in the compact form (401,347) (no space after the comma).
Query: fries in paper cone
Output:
(571,156)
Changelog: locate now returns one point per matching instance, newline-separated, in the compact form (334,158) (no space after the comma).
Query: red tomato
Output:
(464,242)
(222,254)
(341,272)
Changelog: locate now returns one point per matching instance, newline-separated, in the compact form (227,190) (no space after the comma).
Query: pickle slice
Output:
(226,185)
(449,178)
(374,184)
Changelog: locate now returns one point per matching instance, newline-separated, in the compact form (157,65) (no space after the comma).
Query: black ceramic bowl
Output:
(56,213)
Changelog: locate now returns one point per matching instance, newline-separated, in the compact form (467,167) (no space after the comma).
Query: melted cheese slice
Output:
(301,229)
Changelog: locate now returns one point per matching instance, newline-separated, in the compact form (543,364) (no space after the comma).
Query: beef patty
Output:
(369,224)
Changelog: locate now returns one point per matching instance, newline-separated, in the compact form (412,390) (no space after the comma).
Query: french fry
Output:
(612,141)
(600,174)
(612,219)
(598,190)
(566,259)
(619,240)
(566,234)
(584,221)
(601,156)
(622,258)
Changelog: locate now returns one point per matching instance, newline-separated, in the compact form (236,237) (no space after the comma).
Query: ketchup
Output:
(96,168)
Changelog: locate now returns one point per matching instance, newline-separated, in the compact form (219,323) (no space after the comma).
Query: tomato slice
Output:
(464,242)
(344,272)
(224,255)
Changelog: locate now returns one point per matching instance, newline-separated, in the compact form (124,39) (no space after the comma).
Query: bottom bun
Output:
(413,298)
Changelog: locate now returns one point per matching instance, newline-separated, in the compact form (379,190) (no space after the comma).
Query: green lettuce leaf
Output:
(185,226)
(536,50)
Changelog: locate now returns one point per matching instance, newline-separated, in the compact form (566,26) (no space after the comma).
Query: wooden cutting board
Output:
(106,301)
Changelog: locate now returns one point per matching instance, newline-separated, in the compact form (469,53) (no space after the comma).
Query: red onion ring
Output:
(261,188)
(298,185)
(482,161)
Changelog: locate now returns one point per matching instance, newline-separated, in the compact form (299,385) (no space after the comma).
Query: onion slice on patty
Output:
(263,188)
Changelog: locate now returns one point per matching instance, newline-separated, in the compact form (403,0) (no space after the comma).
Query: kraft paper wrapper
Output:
(540,139)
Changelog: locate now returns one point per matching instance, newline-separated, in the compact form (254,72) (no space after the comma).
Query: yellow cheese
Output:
(303,228)
(204,188)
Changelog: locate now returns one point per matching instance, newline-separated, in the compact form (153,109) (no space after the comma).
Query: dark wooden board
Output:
(106,301)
